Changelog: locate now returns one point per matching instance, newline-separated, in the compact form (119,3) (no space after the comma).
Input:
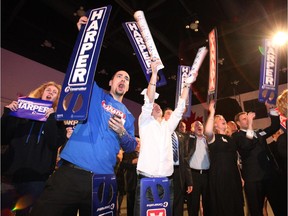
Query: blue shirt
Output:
(93,145)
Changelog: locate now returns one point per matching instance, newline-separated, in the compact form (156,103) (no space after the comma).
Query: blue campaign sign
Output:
(104,195)
(269,77)
(155,197)
(182,74)
(78,82)
(141,51)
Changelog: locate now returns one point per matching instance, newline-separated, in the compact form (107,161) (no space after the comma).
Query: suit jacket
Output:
(185,176)
(258,162)
(192,146)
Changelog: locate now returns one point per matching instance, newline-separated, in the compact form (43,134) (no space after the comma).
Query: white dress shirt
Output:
(200,158)
(156,153)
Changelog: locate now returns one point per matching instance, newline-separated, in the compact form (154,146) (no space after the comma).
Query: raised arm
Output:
(187,85)
(153,80)
(210,121)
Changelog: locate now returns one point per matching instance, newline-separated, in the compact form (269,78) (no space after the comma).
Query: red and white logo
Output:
(156,212)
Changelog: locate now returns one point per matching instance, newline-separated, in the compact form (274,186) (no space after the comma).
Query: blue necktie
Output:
(175,147)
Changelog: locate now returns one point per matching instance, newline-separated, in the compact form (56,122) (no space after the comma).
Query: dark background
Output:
(241,25)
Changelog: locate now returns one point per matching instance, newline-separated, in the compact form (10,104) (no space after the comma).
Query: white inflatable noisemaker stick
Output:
(146,34)
(196,64)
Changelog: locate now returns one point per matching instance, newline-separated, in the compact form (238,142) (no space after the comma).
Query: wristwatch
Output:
(122,133)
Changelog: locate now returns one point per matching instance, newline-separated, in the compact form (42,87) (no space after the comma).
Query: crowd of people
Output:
(217,167)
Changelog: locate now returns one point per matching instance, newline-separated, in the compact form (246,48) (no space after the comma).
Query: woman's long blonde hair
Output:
(216,118)
(282,103)
(38,92)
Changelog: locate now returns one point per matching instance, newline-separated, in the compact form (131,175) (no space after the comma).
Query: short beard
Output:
(119,94)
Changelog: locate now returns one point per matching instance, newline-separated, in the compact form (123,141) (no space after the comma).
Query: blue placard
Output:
(159,205)
(141,51)
(182,74)
(104,195)
(78,82)
(268,85)
(32,108)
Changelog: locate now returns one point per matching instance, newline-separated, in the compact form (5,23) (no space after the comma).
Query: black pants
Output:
(130,196)
(67,191)
(256,193)
(200,188)
(179,193)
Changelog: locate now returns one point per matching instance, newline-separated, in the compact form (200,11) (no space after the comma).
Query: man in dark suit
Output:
(182,176)
(259,168)
(199,165)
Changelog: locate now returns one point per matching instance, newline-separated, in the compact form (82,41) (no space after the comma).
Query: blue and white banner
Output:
(32,108)
(268,85)
(140,48)
(151,203)
(78,82)
(182,75)
(104,195)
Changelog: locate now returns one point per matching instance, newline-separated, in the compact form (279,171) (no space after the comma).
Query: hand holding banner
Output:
(32,108)
(78,82)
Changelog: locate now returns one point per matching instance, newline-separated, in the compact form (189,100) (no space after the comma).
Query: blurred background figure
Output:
(129,163)
(120,173)
(231,128)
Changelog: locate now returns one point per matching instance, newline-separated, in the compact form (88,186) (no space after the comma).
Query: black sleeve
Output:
(8,126)
(55,132)
(274,126)
(242,142)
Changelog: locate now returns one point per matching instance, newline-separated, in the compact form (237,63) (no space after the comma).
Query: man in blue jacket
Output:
(91,149)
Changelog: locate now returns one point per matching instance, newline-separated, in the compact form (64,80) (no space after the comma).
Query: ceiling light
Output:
(48,44)
(193,25)
(280,38)
(80,12)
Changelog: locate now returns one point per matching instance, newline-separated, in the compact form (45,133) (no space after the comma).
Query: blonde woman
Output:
(224,177)
(32,148)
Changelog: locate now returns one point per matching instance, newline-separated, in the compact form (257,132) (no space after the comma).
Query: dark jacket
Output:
(192,145)
(258,163)
(185,176)
(131,173)
(32,147)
